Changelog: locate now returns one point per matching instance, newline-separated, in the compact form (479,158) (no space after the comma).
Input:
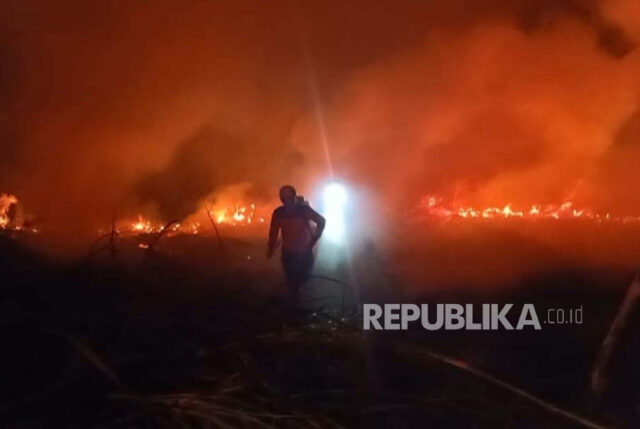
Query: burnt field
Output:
(191,335)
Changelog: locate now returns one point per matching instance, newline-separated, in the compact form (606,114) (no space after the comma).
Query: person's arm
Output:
(274,230)
(320,222)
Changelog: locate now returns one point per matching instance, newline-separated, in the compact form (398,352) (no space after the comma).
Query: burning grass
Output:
(238,216)
(435,207)
(7,209)
(12,219)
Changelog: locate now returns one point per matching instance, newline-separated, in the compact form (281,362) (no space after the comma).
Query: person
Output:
(293,218)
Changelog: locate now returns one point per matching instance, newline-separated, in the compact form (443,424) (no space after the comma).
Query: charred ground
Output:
(189,336)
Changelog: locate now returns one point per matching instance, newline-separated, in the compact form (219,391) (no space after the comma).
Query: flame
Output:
(237,215)
(434,207)
(13,219)
(143,225)
(147,226)
(240,215)
(6,201)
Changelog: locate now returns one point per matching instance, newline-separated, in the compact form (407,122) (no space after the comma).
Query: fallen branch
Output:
(215,227)
(599,378)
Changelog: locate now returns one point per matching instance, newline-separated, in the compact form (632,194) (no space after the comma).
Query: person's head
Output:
(288,195)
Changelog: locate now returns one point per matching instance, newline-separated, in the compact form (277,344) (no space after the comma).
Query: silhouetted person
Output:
(294,218)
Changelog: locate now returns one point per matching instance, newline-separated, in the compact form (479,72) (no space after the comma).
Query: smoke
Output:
(539,14)
(520,107)
(203,163)
(118,108)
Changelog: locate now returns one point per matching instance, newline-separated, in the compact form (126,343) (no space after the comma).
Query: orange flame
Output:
(240,216)
(6,201)
(434,207)
(12,219)
(237,216)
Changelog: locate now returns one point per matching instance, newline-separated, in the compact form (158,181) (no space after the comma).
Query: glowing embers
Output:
(434,207)
(146,226)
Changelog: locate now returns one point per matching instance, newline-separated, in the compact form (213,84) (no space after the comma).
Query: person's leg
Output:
(290,266)
(300,271)
(306,265)
(294,297)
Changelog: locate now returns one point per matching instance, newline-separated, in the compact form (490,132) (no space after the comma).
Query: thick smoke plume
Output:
(519,107)
(203,163)
(116,107)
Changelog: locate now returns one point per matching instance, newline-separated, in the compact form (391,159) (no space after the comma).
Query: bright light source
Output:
(335,194)
(335,199)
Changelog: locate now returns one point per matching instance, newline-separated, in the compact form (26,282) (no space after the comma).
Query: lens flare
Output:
(335,199)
